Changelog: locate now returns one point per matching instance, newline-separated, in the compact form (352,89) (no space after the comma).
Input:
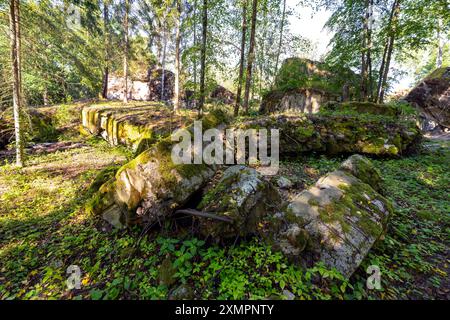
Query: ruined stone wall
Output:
(431,97)
(299,100)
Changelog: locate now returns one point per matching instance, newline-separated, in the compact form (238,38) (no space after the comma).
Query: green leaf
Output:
(96,294)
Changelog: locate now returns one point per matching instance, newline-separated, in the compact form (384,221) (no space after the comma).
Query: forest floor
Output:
(44,230)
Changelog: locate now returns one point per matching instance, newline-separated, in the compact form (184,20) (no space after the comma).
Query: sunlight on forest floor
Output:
(43,230)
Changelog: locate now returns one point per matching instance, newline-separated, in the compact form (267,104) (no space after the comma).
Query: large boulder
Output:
(432,98)
(150,187)
(363,169)
(37,125)
(137,89)
(222,95)
(243,196)
(337,220)
(156,84)
(143,87)
(358,107)
(299,100)
(340,133)
(135,126)
(302,86)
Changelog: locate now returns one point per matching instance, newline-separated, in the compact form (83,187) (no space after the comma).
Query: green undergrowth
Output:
(44,229)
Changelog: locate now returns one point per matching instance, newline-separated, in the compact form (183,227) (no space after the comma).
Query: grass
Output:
(44,230)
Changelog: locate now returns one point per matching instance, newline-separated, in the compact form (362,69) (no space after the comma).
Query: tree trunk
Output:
(195,53)
(203,57)
(105,82)
(386,70)
(125,55)
(251,57)
(176,95)
(163,65)
(283,17)
(45,96)
(381,73)
(14,20)
(242,60)
(107,40)
(440,39)
(385,52)
(396,12)
(364,53)
(369,51)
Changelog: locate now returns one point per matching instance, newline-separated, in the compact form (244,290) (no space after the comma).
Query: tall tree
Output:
(369,50)
(163,58)
(440,41)
(195,46)
(176,96)
(365,52)
(251,57)
(126,49)
(280,42)
(389,48)
(107,45)
(242,58)
(203,56)
(15,42)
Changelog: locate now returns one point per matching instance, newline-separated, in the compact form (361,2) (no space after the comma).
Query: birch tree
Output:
(251,57)
(15,42)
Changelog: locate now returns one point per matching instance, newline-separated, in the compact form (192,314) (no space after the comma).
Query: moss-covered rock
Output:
(151,186)
(137,125)
(355,107)
(340,133)
(243,196)
(338,219)
(303,85)
(37,126)
(303,73)
(431,97)
(364,170)
(300,100)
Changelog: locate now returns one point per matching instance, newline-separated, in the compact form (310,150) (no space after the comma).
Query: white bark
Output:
(14,19)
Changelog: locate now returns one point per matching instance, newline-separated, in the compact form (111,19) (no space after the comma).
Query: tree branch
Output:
(202,214)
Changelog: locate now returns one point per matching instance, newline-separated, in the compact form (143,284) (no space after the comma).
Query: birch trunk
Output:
(203,56)
(242,60)
(14,20)
(125,55)
(251,57)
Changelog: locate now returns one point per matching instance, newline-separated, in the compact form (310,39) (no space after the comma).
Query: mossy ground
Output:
(44,229)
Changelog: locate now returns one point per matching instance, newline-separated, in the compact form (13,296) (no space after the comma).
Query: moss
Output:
(439,73)
(218,192)
(358,204)
(305,132)
(302,240)
(313,202)
(166,272)
(102,199)
(143,144)
(290,216)
(335,212)
(214,118)
(42,127)
(363,169)
(357,107)
(336,133)
(83,131)
(393,150)
(303,73)
(371,148)
(102,177)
